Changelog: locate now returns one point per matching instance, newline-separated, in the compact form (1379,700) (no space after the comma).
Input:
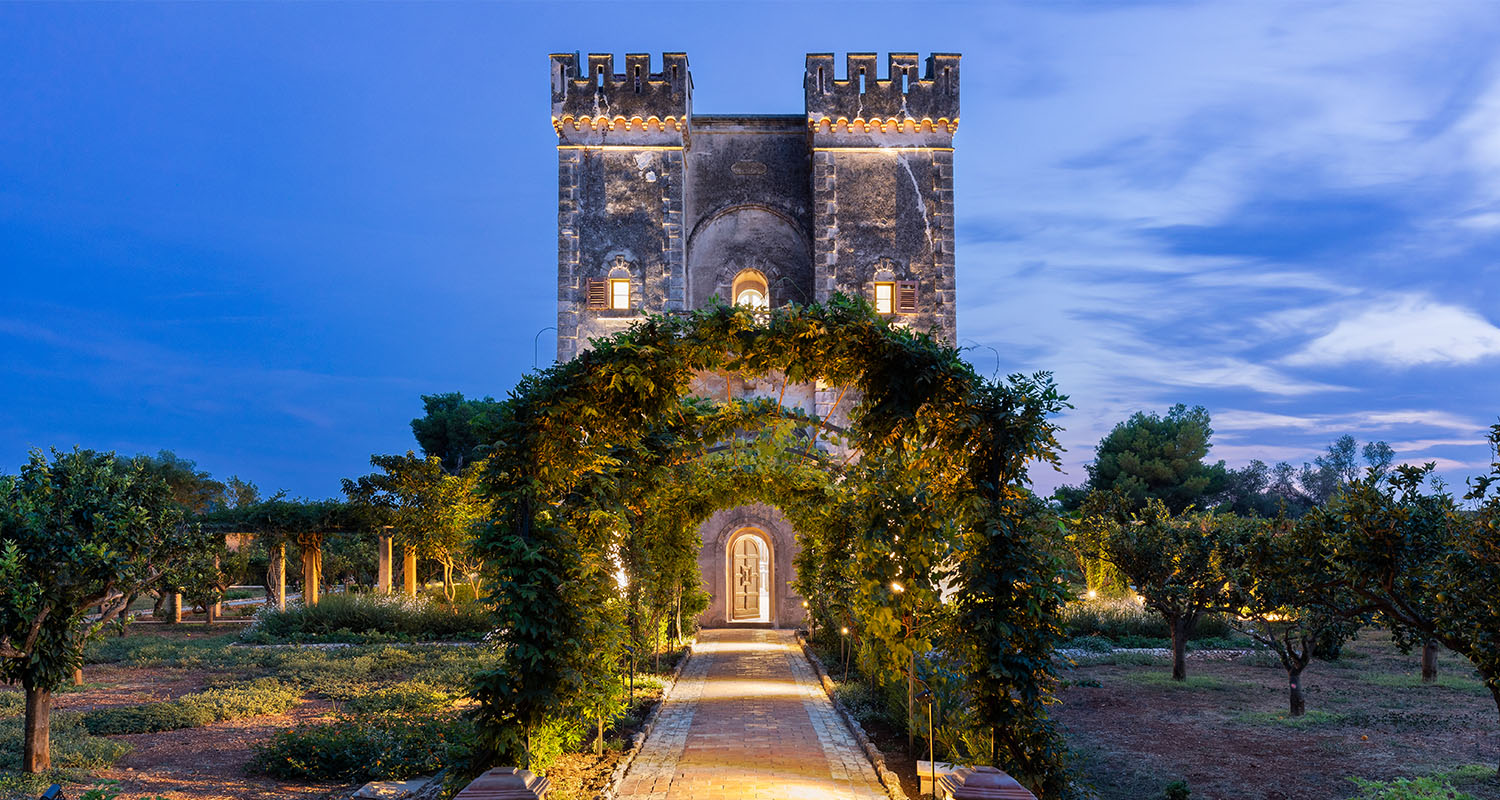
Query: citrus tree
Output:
(1277,591)
(1171,560)
(1426,566)
(78,530)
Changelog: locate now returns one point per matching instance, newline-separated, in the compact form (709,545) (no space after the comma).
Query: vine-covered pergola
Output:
(924,543)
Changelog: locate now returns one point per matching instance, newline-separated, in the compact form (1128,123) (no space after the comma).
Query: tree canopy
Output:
(451,428)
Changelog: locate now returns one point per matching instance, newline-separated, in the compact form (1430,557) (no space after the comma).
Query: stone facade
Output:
(661,211)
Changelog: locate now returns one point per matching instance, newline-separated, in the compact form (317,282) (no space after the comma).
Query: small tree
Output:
(428,509)
(81,530)
(1170,560)
(1277,592)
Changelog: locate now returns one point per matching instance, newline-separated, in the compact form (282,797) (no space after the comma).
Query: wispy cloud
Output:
(1403,331)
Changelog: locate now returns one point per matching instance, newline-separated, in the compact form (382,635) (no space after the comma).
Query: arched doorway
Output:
(748,576)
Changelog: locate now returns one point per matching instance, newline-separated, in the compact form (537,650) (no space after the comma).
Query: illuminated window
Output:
(885,298)
(749,289)
(619,293)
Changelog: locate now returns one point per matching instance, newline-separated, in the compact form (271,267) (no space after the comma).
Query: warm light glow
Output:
(844,631)
(621,578)
(751,298)
(897,588)
(1093,595)
(885,298)
(619,293)
(804,604)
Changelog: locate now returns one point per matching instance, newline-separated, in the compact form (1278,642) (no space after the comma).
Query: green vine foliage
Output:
(927,544)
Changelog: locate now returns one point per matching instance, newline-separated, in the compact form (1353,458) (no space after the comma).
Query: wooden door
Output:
(746,578)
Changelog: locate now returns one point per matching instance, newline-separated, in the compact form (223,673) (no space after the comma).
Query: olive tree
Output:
(79,530)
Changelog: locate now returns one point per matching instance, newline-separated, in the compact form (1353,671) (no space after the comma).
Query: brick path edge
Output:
(639,739)
(888,779)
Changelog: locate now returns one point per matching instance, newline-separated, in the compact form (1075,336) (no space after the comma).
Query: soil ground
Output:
(1227,735)
(213,762)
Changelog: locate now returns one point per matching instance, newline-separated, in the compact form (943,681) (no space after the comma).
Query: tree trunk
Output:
(911,702)
(1494,685)
(159,607)
(1429,661)
(125,614)
(37,752)
(1298,705)
(1180,630)
(210,613)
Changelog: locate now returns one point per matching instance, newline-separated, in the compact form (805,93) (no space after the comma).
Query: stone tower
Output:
(661,211)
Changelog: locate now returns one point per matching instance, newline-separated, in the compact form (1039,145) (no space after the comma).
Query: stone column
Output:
(311,577)
(174,606)
(383,567)
(278,576)
(409,571)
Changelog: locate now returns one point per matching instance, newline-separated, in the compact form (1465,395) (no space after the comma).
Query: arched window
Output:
(750,290)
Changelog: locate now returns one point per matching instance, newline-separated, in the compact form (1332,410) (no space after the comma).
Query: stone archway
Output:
(779,604)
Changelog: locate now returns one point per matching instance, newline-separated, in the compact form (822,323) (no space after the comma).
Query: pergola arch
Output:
(581,451)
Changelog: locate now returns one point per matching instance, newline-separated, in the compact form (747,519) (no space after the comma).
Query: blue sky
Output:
(255,234)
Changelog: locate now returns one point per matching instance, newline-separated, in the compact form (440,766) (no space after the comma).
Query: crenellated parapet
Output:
(594,105)
(911,106)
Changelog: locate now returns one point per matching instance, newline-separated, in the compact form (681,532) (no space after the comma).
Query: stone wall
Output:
(856,190)
(717,530)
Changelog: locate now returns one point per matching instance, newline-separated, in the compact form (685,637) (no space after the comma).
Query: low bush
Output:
(12,703)
(1408,789)
(367,747)
(371,618)
(73,746)
(868,705)
(407,697)
(258,698)
(1124,620)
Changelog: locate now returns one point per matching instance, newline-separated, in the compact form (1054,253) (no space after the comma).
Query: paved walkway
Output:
(748,719)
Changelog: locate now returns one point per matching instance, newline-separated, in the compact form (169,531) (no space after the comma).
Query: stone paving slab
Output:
(748,719)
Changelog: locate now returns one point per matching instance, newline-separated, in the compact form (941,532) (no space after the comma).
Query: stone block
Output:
(505,783)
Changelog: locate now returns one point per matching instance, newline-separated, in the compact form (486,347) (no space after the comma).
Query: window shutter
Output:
(906,297)
(598,293)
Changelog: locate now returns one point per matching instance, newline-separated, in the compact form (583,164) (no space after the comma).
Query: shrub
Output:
(367,747)
(73,747)
(261,697)
(1124,620)
(1177,790)
(12,703)
(1408,789)
(410,697)
(371,617)
(868,705)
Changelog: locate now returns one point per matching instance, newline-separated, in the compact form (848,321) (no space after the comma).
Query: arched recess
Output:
(749,577)
(749,237)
